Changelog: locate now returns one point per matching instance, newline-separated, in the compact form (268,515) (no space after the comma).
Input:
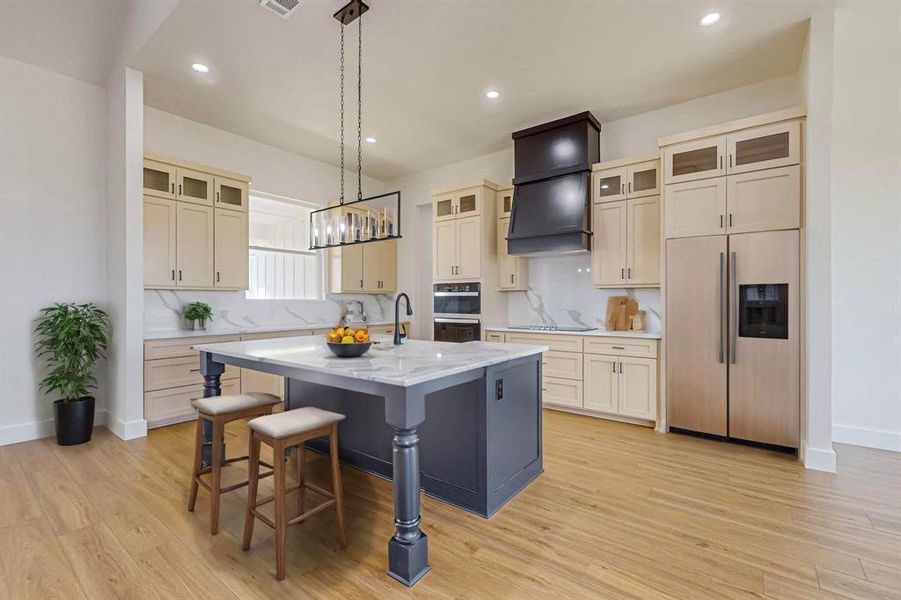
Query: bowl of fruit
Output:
(347,342)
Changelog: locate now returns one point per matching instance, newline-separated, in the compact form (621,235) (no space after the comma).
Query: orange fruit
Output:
(339,331)
(361,336)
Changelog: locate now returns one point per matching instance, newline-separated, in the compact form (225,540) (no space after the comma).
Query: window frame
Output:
(323,261)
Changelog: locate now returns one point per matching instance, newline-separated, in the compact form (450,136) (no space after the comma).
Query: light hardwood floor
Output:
(621,511)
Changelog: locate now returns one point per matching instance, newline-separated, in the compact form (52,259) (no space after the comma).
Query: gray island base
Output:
(461,421)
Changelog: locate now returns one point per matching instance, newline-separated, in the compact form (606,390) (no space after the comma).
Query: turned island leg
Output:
(408,549)
(211,371)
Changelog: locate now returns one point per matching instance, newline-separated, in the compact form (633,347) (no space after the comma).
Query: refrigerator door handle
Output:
(722,305)
(734,329)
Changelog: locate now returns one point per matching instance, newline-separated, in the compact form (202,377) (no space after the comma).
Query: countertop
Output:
(596,333)
(185,333)
(414,362)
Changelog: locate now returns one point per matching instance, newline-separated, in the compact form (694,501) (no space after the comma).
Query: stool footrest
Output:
(310,513)
(262,518)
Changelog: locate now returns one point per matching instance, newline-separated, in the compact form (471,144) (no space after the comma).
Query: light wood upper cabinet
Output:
(465,203)
(231,256)
(444,255)
(775,145)
(609,185)
(469,248)
(643,179)
(698,159)
(626,243)
(159,242)
(194,242)
(346,269)
(764,200)
(231,194)
(194,186)
(443,208)
(504,203)
(608,253)
(695,208)
(643,241)
(187,242)
(370,267)
(159,179)
(512,271)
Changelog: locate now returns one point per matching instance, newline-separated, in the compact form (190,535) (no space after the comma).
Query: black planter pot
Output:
(74,421)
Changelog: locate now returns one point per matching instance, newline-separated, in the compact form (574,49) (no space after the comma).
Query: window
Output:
(281,263)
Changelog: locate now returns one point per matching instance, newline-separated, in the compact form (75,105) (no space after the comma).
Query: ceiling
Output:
(77,38)
(427,66)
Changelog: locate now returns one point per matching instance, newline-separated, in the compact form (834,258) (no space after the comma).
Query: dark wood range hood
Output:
(552,173)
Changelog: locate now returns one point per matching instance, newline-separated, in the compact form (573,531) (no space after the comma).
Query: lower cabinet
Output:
(605,375)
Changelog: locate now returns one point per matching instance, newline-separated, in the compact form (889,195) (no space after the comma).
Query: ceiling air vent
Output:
(283,8)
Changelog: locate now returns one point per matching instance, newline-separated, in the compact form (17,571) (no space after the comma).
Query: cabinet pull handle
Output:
(511,278)
(217,196)
(173,274)
(195,370)
(361,284)
(179,274)
(179,189)
(622,273)
(620,366)
(730,219)
(629,273)
(721,221)
(217,276)
(730,160)
(614,366)
(618,347)
(630,187)
(173,188)
(622,188)
(721,162)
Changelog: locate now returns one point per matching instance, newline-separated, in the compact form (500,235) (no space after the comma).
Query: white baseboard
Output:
(128,431)
(871,438)
(25,432)
(818,459)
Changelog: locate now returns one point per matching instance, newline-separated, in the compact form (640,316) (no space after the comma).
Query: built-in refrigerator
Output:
(733,336)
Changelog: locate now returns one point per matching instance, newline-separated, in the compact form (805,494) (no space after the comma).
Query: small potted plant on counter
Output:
(196,315)
(72,337)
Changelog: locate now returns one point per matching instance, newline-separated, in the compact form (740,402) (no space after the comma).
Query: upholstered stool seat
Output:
(218,411)
(217,405)
(291,429)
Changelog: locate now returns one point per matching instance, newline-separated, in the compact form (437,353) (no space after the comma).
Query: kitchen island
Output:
(462,421)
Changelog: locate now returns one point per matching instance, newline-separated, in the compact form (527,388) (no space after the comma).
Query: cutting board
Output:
(619,311)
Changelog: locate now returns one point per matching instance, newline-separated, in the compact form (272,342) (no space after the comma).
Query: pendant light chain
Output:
(341,200)
(360,108)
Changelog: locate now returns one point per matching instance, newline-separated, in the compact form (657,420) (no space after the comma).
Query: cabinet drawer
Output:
(560,343)
(181,346)
(567,365)
(174,372)
(561,392)
(493,336)
(622,347)
(173,405)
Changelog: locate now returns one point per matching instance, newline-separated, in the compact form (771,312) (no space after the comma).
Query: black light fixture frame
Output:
(396,236)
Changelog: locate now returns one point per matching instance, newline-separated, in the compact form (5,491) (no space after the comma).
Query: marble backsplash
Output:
(231,310)
(560,294)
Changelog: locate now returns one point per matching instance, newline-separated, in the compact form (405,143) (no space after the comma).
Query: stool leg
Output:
(278,463)
(336,485)
(253,478)
(198,455)
(215,483)
(301,477)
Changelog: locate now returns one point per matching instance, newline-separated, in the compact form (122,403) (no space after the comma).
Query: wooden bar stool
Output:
(286,430)
(219,410)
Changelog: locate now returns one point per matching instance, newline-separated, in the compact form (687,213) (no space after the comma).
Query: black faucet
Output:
(397,339)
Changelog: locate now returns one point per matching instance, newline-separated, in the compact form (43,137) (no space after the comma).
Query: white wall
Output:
(637,135)
(52,235)
(866,225)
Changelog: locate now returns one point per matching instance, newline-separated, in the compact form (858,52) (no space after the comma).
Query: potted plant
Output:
(71,337)
(196,315)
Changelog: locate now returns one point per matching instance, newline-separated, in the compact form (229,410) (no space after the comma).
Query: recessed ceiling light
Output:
(710,19)
(200,68)
(371,140)
(492,94)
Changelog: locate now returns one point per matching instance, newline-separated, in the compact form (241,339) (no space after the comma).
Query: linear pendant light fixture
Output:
(363,220)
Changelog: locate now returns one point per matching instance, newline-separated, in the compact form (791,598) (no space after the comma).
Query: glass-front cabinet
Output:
(194,186)
(443,208)
(454,205)
(777,145)
(609,185)
(159,179)
(698,159)
(231,194)
(504,203)
(643,179)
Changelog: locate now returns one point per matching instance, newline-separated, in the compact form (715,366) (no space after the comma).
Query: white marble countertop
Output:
(416,361)
(596,333)
(186,333)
